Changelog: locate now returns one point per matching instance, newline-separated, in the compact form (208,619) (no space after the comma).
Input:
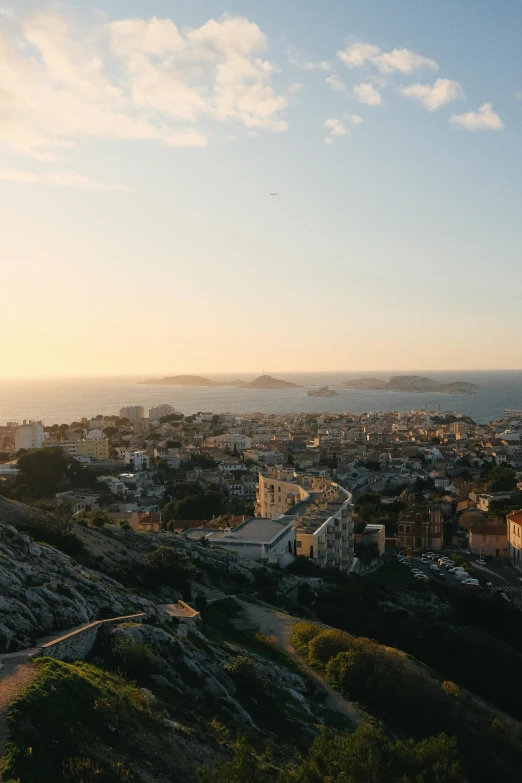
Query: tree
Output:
(61,519)
(501,479)
(165,567)
(41,470)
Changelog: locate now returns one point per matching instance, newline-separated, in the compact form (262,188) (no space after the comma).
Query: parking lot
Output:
(489,580)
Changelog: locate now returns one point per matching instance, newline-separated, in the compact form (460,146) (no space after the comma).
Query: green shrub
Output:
(243,670)
(132,657)
(328,644)
(302,634)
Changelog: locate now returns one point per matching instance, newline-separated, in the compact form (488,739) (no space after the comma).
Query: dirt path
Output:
(274,623)
(16,673)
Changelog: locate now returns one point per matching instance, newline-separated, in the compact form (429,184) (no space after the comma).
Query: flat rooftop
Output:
(253,529)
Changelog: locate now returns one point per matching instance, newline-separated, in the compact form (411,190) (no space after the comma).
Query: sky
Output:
(140,143)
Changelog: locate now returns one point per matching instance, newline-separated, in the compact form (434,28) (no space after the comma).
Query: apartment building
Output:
(29,435)
(95,448)
(322,511)
(132,412)
(158,411)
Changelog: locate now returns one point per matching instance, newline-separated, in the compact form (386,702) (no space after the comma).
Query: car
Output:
(480,561)
(519,578)
(465,551)
(440,575)
(434,567)
(430,554)
(470,581)
(450,564)
(504,596)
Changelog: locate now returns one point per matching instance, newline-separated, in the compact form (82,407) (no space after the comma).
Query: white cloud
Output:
(64,81)
(433,96)
(297,59)
(483,119)
(338,128)
(367,93)
(398,60)
(64,178)
(335,83)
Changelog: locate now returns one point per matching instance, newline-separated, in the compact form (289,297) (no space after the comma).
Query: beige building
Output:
(132,412)
(514,538)
(322,511)
(488,540)
(96,448)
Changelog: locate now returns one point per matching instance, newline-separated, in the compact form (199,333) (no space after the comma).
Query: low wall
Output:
(76,646)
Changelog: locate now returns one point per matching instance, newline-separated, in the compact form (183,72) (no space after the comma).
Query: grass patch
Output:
(66,715)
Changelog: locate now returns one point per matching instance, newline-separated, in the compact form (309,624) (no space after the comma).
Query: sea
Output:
(63,400)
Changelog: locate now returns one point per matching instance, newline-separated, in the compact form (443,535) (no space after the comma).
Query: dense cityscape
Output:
(327,484)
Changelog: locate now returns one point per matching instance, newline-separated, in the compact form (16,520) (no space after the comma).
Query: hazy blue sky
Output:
(140,142)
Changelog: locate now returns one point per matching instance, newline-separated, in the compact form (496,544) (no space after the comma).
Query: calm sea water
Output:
(68,399)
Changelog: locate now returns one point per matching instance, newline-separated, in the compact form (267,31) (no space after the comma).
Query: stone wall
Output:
(76,646)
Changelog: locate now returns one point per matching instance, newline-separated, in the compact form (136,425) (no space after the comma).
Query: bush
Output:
(132,657)
(243,670)
(328,644)
(302,634)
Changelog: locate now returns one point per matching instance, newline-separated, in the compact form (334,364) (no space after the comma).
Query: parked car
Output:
(434,567)
(480,561)
(465,551)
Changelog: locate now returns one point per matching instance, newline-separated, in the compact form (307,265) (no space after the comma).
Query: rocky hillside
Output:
(43,590)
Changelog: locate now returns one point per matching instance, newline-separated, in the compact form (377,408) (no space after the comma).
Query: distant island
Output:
(323,391)
(410,383)
(263,382)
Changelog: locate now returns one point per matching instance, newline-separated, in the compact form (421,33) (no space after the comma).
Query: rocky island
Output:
(323,391)
(411,383)
(262,382)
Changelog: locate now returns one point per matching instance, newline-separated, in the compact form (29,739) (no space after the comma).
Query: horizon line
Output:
(249,372)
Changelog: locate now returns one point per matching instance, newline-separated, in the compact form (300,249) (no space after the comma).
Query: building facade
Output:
(29,435)
(514,538)
(157,413)
(132,412)
(421,529)
(490,540)
(322,511)
(273,540)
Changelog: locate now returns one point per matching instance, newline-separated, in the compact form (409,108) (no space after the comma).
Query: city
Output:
(414,479)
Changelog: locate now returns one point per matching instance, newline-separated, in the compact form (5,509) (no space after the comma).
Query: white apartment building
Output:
(132,412)
(29,435)
(138,459)
(158,411)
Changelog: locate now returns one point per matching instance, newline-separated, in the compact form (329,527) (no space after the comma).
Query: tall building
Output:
(321,509)
(157,413)
(29,435)
(132,412)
